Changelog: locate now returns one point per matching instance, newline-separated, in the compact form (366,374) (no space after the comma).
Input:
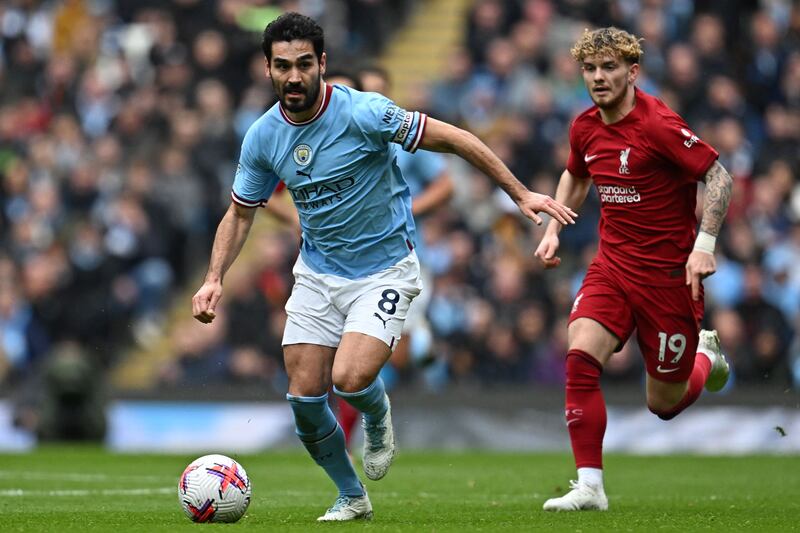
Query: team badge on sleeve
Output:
(302,154)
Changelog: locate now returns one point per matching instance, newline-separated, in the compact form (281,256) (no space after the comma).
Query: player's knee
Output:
(307,385)
(351,381)
(663,408)
(663,414)
(662,402)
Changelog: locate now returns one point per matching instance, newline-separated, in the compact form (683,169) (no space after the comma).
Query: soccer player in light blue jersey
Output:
(357,271)
(430,186)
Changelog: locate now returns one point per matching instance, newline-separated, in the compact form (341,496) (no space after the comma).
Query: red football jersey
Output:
(645,168)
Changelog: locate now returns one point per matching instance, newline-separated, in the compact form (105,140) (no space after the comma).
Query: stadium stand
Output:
(120,125)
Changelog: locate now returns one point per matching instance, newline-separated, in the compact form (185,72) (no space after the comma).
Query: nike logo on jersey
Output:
(381,319)
(665,370)
(571,420)
(588,158)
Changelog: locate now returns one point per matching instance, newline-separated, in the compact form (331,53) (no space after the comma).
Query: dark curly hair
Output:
(289,27)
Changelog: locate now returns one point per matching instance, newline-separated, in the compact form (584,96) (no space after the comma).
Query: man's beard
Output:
(612,103)
(311,94)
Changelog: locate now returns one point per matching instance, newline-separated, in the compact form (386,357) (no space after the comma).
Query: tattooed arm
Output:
(701,262)
(718,195)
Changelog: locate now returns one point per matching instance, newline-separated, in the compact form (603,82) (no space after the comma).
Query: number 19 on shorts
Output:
(676,344)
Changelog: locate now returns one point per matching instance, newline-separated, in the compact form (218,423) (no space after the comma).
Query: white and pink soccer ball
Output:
(214,488)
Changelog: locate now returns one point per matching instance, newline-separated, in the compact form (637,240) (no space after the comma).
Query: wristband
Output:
(705,242)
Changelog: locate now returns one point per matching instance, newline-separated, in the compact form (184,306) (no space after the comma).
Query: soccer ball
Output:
(214,488)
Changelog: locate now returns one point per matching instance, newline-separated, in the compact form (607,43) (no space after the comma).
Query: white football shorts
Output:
(418,310)
(323,307)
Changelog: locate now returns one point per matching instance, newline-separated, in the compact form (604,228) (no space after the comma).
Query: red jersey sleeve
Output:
(575,163)
(280,187)
(671,136)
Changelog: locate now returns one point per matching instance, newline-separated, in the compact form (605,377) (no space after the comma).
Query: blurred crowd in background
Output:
(121,121)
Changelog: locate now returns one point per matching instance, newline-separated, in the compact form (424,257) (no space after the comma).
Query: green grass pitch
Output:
(87,489)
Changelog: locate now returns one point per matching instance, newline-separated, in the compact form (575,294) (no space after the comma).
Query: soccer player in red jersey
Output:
(645,163)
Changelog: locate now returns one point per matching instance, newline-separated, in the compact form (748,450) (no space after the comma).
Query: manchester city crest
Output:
(302,154)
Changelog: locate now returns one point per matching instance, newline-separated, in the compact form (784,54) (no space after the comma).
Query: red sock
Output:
(348,416)
(697,380)
(585,409)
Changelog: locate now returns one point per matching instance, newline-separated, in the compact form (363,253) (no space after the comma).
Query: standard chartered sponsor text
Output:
(616,194)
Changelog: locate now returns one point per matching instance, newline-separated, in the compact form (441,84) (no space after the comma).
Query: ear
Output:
(266,69)
(633,73)
(323,62)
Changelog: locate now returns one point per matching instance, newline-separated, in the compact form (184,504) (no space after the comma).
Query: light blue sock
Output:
(370,401)
(324,439)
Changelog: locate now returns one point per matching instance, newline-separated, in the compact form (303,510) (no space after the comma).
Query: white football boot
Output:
(720,370)
(348,508)
(379,449)
(582,497)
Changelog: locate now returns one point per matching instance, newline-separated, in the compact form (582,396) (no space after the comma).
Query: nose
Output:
(598,74)
(294,76)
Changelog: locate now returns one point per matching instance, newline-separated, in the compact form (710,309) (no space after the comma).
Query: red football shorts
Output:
(667,320)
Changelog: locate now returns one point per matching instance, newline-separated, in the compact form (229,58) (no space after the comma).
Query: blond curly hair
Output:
(608,41)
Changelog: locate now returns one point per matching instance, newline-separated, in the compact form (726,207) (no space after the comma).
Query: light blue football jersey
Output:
(340,168)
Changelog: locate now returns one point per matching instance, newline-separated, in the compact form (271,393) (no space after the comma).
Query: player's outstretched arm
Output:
(701,262)
(719,187)
(443,137)
(231,234)
(571,192)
